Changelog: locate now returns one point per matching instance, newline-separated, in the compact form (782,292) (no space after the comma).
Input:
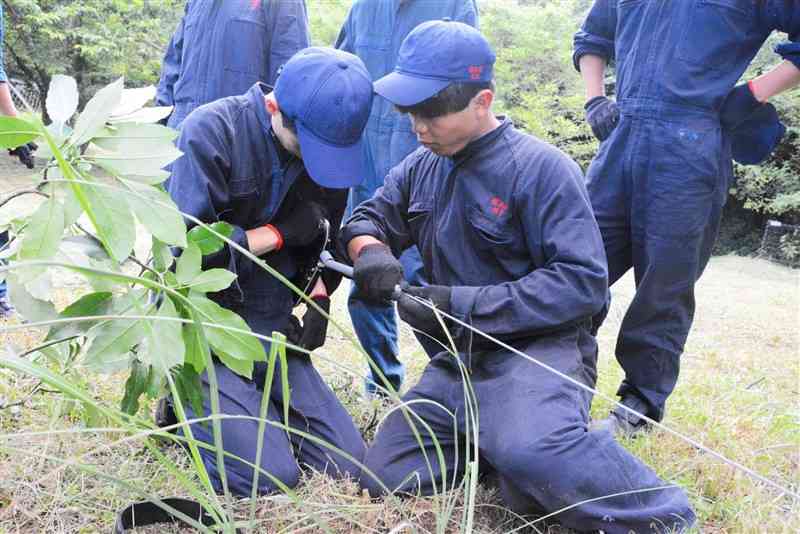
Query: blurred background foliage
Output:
(96,41)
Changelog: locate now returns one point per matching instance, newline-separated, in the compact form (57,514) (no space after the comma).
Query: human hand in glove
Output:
(310,335)
(24,153)
(315,325)
(422,317)
(602,114)
(739,105)
(376,272)
(301,227)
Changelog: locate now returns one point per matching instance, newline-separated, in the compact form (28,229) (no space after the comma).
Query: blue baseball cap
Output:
(755,139)
(327,93)
(434,55)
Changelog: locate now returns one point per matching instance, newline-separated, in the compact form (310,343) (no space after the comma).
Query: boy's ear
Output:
(271,104)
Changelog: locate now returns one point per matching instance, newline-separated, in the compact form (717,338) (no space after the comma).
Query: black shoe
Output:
(165,415)
(621,422)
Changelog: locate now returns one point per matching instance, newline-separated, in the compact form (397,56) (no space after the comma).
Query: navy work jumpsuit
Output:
(235,170)
(221,49)
(374,32)
(659,182)
(507,224)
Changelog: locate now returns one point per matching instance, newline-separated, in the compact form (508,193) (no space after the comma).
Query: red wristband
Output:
(278,236)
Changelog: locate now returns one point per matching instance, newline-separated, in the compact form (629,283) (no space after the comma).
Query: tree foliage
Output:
(95,41)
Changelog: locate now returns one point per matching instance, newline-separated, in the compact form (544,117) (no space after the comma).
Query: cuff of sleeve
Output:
(357,228)
(790,52)
(241,263)
(462,301)
(588,44)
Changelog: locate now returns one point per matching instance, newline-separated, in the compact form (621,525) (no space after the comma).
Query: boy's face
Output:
(448,134)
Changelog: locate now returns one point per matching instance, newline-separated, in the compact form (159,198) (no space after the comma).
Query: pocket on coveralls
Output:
(244,54)
(714,33)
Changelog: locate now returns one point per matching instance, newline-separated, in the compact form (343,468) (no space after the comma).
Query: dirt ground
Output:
(739,393)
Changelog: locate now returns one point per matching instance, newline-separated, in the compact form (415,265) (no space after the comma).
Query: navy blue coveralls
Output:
(659,182)
(235,170)
(221,49)
(374,31)
(507,223)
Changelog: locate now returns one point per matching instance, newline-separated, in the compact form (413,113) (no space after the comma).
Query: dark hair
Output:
(452,99)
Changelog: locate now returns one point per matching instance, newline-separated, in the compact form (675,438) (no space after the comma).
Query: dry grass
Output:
(738,394)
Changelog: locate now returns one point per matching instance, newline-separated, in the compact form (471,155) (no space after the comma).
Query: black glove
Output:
(302,226)
(315,325)
(602,114)
(421,317)
(738,106)
(376,272)
(24,153)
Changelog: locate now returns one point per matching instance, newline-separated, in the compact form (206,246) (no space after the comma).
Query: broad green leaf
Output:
(228,344)
(190,388)
(196,348)
(41,287)
(208,242)
(132,138)
(88,246)
(188,266)
(127,163)
(30,308)
(133,100)
(62,98)
(15,132)
(165,346)
(135,386)
(162,255)
(112,342)
(153,178)
(155,384)
(212,280)
(96,112)
(157,212)
(99,303)
(113,220)
(145,115)
(102,282)
(43,234)
(240,367)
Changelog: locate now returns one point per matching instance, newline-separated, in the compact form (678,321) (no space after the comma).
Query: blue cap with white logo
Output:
(434,55)
(327,93)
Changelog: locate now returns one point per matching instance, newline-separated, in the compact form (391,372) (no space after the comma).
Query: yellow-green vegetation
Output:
(67,467)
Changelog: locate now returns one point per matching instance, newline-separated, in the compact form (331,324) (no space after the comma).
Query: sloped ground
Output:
(738,394)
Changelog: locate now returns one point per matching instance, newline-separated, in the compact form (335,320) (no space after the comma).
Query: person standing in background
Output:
(661,176)
(374,31)
(222,48)
(23,152)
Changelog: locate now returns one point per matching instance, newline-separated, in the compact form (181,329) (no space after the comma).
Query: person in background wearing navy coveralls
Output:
(662,174)
(374,30)
(221,48)
(506,232)
(23,152)
(244,159)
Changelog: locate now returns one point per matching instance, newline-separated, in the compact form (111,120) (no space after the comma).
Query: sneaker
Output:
(6,308)
(620,422)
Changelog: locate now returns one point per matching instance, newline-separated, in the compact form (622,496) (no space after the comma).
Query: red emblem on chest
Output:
(498,206)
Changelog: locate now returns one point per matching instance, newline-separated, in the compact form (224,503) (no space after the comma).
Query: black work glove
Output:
(602,114)
(376,272)
(24,153)
(738,106)
(421,317)
(315,325)
(302,226)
